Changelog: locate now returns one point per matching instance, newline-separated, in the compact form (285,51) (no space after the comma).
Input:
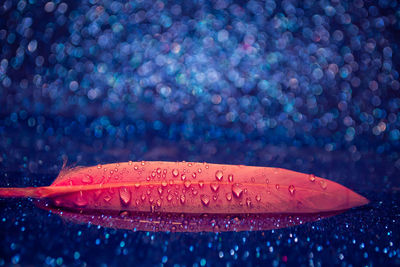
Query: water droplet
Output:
(160,190)
(214,187)
(158,202)
(125,195)
(137,185)
(205,200)
(258,198)
(237,190)
(230,178)
(153,174)
(183,177)
(182,199)
(164,183)
(323,184)
(136,167)
(87,179)
(142,163)
(159,170)
(201,183)
(277,186)
(228,196)
(291,189)
(194,175)
(190,164)
(187,183)
(130,162)
(107,198)
(151,200)
(143,197)
(99,166)
(80,201)
(206,166)
(169,197)
(175,172)
(253,179)
(311,177)
(248,202)
(215,197)
(199,170)
(219,175)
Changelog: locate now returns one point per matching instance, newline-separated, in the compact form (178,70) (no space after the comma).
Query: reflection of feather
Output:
(175,222)
(195,188)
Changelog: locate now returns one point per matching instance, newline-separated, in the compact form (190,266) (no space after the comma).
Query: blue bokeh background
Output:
(311,86)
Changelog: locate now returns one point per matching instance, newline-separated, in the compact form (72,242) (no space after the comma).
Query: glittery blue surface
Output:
(311,86)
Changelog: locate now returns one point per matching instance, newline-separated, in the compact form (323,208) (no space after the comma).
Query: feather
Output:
(192,188)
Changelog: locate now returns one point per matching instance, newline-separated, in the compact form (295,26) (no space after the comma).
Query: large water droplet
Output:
(219,175)
(311,177)
(291,189)
(237,190)
(205,200)
(230,178)
(201,183)
(214,187)
(125,195)
(175,172)
(87,179)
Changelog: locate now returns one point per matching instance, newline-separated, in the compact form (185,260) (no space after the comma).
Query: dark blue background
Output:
(311,86)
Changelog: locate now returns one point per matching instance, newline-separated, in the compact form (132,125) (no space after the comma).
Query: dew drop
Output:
(158,170)
(228,196)
(214,187)
(158,202)
(190,164)
(80,201)
(215,197)
(124,195)
(142,163)
(199,170)
(194,175)
(164,183)
(195,192)
(183,177)
(182,199)
(206,166)
(169,197)
(143,197)
(136,167)
(219,175)
(160,190)
(237,190)
(323,184)
(201,183)
(187,184)
(277,186)
(311,177)
(258,198)
(130,162)
(248,202)
(99,166)
(87,179)
(107,198)
(230,178)
(175,172)
(291,189)
(205,200)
